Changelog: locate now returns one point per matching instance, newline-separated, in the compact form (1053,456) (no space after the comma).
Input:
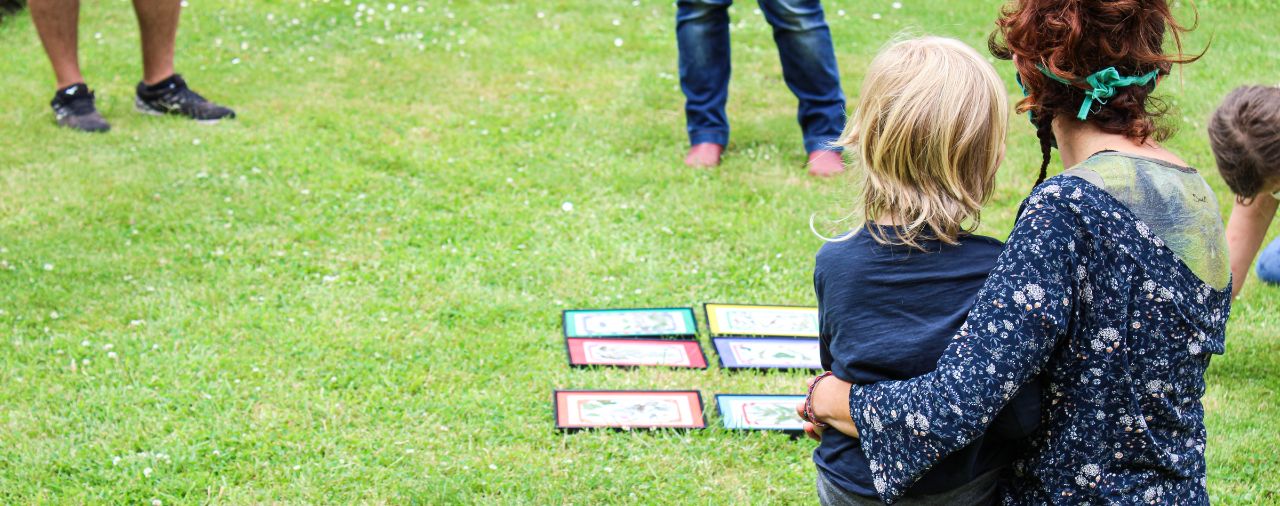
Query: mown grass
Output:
(351,293)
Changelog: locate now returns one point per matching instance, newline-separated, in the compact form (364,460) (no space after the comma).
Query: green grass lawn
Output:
(351,294)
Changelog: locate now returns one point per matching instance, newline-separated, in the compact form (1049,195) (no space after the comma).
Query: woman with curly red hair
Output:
(1113,287)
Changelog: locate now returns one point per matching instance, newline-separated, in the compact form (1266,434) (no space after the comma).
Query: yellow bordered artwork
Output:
(755,320)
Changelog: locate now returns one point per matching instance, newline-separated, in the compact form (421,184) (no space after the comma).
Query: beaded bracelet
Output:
(808,401)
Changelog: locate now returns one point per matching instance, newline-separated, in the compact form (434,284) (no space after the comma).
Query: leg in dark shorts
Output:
(979,492)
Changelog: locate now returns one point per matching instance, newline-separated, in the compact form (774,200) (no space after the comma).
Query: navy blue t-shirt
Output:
(887,313)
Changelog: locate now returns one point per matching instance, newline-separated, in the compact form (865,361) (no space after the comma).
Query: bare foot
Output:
(823,163)
(706,154)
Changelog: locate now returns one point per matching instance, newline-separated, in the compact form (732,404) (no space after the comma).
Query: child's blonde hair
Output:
(929,132)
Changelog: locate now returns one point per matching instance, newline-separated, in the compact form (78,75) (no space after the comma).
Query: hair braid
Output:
(1044,131)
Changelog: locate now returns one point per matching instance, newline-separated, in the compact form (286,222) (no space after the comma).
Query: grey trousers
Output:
(979,492)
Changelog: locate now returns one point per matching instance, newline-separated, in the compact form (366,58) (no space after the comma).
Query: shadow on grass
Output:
(8,7)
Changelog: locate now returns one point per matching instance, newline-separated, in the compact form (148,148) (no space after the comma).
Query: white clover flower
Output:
(1035,291)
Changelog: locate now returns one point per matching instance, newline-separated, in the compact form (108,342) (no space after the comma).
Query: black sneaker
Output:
(73,108)
(172,96)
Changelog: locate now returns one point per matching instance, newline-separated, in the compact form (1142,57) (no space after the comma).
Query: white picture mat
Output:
(672,409)
(647,353)
(762,353)
(629,322)
(741,412)
(757,320)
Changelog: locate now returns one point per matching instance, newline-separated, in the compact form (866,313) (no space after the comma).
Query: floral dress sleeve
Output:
(1018,319)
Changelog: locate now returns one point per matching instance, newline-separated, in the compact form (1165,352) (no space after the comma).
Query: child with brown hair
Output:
(929,144)
(1245,135)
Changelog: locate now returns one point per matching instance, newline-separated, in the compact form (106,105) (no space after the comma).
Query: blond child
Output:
(928,135)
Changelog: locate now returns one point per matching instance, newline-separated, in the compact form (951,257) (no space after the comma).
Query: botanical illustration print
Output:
(637,411)
(635,353)
(630,323)
(770,414)
(760,321)
(776,353)
(1120,328)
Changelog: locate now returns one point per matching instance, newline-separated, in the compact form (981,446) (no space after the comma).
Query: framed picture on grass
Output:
(634,352)
(769,321)
(631,322)
(760,412)
(767,353)
(629,409)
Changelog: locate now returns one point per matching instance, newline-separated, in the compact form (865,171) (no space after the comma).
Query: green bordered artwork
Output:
(631,322)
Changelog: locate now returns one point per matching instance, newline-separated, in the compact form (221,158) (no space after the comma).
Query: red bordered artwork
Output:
(629,409)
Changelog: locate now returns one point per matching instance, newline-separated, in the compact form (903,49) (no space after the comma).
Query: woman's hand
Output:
(830,404)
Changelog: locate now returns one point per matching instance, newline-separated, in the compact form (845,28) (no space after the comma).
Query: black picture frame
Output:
(694,343)
(720,344)
(700,419)
(727,419)
(692,322)
(712,331)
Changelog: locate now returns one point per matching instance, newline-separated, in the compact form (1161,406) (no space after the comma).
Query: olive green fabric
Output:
(1174,203)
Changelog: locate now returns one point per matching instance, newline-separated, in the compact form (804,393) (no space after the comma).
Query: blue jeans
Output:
(808,67)
(1269,263)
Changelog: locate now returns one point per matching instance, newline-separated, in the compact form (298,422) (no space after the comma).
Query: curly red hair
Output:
(1075,38)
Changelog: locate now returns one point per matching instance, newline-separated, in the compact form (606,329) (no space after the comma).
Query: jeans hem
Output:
(721,138)
(811,145)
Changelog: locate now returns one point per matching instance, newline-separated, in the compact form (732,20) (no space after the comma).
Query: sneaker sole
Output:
(140,107)
(152,112)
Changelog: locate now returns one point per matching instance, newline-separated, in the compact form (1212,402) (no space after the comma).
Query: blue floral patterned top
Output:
(1116,308)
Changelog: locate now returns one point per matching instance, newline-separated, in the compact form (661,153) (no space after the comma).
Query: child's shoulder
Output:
(860,246)
(854,242)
